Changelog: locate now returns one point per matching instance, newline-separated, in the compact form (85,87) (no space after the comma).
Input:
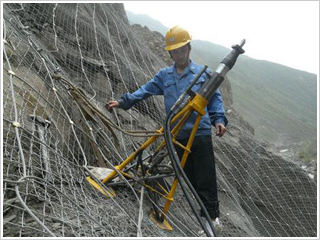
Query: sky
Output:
(285,32)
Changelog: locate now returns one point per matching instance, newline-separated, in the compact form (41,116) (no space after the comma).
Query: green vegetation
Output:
(307,153)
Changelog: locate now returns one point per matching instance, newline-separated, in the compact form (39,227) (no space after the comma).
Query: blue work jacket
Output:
(171,85)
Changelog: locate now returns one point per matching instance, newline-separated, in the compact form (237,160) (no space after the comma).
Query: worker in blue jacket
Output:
(171,82)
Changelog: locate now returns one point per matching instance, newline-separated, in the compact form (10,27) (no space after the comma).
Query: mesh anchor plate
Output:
(163,225)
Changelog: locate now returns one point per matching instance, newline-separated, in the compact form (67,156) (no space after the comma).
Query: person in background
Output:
(171,82)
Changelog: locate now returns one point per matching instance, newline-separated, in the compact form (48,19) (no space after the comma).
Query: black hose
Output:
(179,171)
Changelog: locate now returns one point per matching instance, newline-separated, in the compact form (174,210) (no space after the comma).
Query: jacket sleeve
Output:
(216,109)
(153,87)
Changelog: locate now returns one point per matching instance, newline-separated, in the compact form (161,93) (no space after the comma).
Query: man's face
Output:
(181,55)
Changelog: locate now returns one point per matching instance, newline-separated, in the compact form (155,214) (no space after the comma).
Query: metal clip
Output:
(16,124)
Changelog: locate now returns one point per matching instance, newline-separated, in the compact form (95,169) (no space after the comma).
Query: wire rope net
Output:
(61,63)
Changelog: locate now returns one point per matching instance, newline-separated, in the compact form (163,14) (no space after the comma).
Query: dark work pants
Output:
(201,172)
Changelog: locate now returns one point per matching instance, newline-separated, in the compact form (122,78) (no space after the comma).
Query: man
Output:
(171,83)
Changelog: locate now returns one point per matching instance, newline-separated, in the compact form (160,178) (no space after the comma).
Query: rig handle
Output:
(231,58)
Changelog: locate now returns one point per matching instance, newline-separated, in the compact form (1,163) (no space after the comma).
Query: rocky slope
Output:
(62,62)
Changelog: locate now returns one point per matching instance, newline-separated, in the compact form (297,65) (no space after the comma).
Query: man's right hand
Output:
(111,104)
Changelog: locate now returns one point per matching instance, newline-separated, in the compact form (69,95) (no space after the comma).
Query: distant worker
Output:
(171,82)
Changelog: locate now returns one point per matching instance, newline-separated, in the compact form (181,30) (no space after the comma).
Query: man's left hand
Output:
(220,129)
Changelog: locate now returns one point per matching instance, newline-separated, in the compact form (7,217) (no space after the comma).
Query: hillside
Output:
(269,96)
(73,169)
(279,102)
(146,20)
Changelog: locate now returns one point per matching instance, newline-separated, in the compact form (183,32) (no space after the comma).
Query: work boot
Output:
(217,226)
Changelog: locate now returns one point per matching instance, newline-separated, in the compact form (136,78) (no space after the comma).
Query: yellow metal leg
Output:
(109,193)
(182,162)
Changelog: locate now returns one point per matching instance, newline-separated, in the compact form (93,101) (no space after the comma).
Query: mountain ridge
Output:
(256,84)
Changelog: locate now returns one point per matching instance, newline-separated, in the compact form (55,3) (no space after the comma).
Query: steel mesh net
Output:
(61,64)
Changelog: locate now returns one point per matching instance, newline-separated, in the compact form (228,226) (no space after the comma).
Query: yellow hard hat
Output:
(176,37)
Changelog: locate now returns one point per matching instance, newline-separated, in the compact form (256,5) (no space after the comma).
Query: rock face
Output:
(155,41)
(61,64)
